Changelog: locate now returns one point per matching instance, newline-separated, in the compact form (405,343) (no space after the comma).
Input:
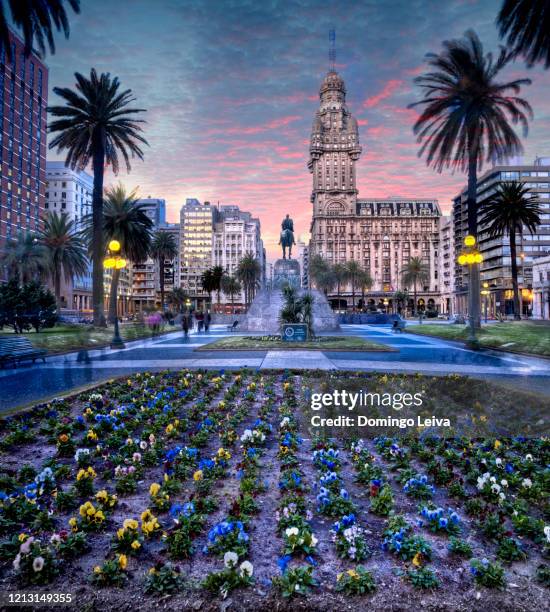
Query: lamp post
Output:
(485,293)
(114,262)
(471,257)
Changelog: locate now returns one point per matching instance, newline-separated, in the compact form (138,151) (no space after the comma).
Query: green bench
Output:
(16,349)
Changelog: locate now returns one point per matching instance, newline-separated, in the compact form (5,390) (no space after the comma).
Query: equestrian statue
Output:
(287,236)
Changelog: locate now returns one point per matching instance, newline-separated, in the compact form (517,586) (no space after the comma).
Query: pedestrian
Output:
(200,320)
(185,326)
(207,320)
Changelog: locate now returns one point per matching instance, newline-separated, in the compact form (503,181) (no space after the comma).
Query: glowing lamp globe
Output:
(120,263)
(470,258)
(114,246)
(109,262)
(469,241)
(478,258)
(462,260)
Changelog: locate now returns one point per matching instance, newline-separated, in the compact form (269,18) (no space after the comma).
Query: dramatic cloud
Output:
(231,88)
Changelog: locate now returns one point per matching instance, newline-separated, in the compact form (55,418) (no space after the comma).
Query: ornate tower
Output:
(333,151)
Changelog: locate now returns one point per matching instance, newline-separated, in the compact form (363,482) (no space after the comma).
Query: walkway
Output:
(62,373)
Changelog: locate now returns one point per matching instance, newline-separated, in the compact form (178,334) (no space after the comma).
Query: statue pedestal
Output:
(286,272)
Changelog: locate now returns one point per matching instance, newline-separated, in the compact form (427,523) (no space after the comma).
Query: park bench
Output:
(16,349)
(398,326)
(233,326)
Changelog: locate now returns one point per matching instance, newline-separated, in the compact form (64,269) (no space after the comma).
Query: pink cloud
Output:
(388,89)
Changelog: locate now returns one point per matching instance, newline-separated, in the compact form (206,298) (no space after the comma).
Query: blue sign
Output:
(294,332)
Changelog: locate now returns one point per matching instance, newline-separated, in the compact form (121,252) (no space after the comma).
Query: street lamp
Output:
(114,262)
(471,257)
(485,293)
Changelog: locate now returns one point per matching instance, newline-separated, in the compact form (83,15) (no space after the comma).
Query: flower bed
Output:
(205,486)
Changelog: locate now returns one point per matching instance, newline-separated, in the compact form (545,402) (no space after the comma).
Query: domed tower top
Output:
(332,82)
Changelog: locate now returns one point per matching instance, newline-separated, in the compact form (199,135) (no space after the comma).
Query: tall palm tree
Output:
(340,273)
(65,250)
(354,272)
(125,220)
(178,298)
(507,212)
(24,257)
(163,247)
(526,26)
(96,124)
(249,272)
(467,119)
(322,274)
(231,287)
(364,282)
(208,282)
(414,272)
(37,20)
(217,275)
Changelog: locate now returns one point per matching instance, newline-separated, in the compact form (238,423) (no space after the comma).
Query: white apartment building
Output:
(235,234)
(302,255)
(446,265)
(195,244)
(70,191)
(541,288)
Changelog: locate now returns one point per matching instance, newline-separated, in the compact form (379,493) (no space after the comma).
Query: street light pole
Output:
(115,262)
(485,294)
(472,258)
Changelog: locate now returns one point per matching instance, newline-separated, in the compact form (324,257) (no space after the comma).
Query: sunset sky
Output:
(231,88)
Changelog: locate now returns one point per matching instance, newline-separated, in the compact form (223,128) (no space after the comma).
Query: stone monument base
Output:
(263,314)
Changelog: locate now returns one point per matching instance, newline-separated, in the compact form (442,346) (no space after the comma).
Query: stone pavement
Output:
(63,373)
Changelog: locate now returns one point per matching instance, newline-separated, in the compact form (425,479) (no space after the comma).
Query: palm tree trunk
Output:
(414,298)
(161,280)
(353,295)
(338,294)
(98,147)
(517,305)
(474,296)
(232,296)
(113,314)
(57,288)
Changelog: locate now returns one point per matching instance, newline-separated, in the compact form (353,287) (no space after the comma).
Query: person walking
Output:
(185,326)
(200,320)
(207,320)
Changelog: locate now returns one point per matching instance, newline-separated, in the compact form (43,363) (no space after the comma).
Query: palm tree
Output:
(178,298)
(353,271)
(37,20)
(466,120)
(508,211)
(526,26)
(401,298)
(414,272)
(249,272)
(340,273)
(217,275)
(364,281)
(322,274)
(24,257)
(163,247)
(125,220)
(208,282)
(231,287)
(65,250)
(97,125)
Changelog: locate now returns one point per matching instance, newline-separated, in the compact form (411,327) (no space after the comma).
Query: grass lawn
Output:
(64,338)
(520,336)
(321,343)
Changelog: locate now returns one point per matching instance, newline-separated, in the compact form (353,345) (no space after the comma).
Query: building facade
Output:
(144,275)
(70,191)
(23,101)
(496,267)
(196,242)
(380,234)
(235,233)
(302,255)
(446,262)
(541,288)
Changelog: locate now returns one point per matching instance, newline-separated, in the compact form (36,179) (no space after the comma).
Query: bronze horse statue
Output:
(286,241)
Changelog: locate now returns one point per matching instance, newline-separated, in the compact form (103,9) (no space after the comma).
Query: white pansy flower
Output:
(230,559)
(246,569)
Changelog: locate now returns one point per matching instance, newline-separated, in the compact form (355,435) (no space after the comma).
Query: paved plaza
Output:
(411,354)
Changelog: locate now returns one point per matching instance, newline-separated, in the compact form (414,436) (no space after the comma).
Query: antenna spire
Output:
(332,49)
